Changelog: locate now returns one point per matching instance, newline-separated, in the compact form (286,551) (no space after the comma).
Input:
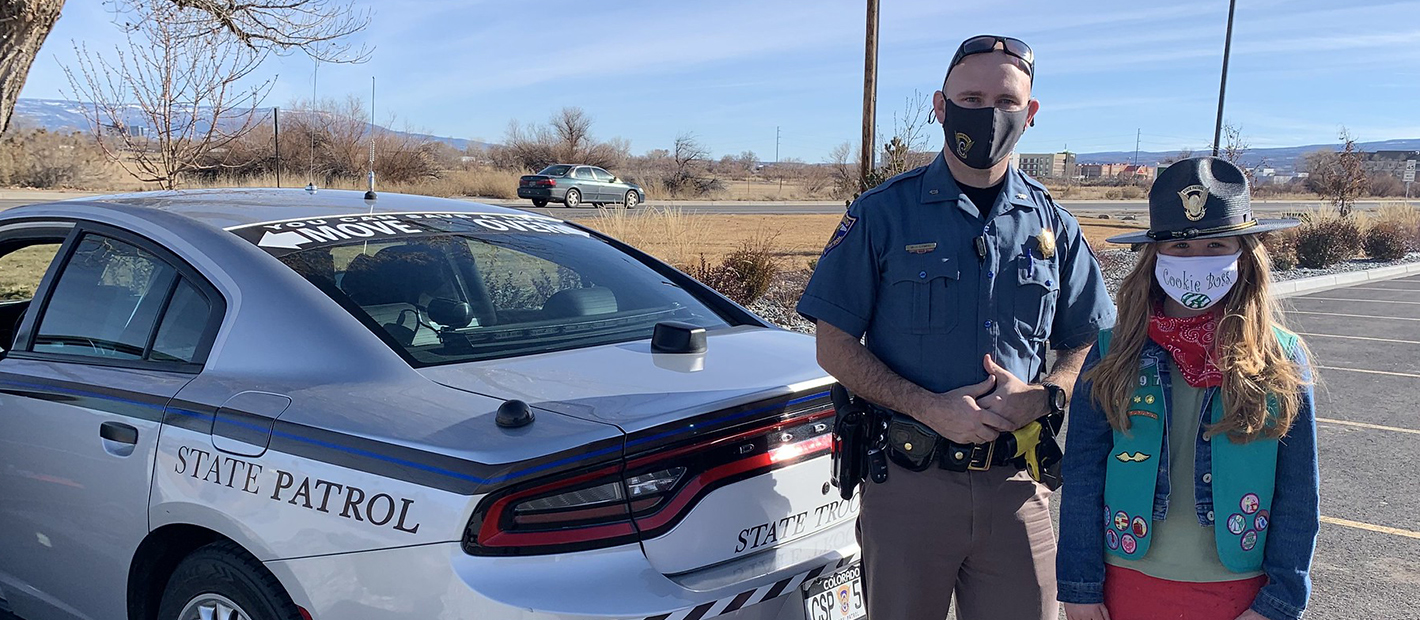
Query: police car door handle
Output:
(119,433)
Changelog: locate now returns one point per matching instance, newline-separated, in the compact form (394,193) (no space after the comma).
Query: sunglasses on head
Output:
(985,44)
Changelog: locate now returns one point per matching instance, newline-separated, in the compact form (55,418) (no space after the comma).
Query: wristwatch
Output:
(1055,396)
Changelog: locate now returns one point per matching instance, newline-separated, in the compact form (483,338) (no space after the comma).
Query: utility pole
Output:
(1223,86)
(870,95)
(1137,134)
(276,131)
(777,172)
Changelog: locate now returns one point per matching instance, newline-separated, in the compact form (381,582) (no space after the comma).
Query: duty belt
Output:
(914,446)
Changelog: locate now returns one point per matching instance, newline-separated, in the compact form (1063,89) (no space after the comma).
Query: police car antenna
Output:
(370,193)
(310,111)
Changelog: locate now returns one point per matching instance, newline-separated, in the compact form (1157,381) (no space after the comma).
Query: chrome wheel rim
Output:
(630,199)
(212,607)
(574,198)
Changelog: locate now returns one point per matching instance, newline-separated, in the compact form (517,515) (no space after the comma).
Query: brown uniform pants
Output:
(985,535)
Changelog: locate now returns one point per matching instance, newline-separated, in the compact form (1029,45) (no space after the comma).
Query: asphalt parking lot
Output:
(1365,342)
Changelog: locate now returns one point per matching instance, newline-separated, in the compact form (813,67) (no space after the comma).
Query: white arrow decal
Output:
(290,240)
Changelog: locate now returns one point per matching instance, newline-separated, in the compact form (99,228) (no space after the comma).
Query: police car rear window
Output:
(450,288)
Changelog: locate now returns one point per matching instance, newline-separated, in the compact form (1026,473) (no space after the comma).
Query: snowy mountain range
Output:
(63,115)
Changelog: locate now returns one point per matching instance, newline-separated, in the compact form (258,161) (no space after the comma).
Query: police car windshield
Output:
(467,288)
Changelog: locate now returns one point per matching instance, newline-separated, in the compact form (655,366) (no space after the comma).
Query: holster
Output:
(859,442)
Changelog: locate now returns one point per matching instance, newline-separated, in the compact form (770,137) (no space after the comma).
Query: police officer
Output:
(959,274)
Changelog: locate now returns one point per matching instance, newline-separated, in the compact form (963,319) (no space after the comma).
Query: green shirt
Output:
(1182,550)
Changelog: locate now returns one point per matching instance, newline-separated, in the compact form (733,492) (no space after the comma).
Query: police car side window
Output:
(22,265)
(180,333)
(106,303)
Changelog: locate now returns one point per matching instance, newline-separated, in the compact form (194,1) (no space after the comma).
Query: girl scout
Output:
(1190,467)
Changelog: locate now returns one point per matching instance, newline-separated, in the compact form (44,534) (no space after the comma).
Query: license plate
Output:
(836,597)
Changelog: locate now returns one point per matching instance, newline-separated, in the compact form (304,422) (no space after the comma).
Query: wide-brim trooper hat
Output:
(1200,198)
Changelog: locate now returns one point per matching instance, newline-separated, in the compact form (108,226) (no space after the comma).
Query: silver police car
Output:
(283,405)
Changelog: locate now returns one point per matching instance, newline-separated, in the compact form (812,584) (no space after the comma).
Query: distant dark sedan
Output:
(573,185)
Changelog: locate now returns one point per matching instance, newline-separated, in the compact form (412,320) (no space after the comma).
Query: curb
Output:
(1303,286)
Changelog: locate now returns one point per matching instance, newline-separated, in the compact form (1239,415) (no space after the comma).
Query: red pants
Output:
(1132,595)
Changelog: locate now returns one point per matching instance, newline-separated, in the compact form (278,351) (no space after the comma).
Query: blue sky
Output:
(731,71)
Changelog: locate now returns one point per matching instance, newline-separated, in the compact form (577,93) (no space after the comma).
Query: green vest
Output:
(1243,476)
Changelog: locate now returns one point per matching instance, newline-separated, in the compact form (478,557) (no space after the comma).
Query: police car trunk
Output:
(726,455)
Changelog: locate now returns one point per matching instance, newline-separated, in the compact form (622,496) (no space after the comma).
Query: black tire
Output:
(539,203)
(632,198)
(573,200)
(227,571)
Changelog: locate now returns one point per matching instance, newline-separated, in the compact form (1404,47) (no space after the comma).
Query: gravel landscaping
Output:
(778,305)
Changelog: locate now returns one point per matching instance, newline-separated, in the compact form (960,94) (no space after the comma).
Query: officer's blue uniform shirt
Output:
(903,268)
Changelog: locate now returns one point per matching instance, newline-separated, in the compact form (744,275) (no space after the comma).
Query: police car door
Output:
(116,328)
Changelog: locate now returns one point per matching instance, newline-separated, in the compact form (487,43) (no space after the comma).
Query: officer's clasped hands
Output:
(956,415)
(1013,400)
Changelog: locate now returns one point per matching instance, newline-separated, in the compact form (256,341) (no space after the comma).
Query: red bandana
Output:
(1190,340)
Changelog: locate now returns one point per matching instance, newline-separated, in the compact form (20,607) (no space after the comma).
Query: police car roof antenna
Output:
(310,113)
(370,193)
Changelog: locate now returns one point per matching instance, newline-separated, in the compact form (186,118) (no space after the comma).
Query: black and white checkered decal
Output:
(752,597)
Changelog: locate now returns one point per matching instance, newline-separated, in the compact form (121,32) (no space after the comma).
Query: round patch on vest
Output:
(1111,538)
(1128,544)
(1249,540)
(1140,527)
(1121,521)
(1260,521)
(1250,503)
(1237,523)
(1108,514)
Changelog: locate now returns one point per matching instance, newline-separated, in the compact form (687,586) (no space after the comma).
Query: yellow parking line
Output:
(1359,338)
(1368,301)
(1370,426)
(1371,528)
(1354,316)
(1373,372)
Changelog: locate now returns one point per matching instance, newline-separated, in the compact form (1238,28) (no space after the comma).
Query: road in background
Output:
(1082,208)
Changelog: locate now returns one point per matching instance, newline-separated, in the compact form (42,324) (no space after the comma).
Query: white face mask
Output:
(1197,282)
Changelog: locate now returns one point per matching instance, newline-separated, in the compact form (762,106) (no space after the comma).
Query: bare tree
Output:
(316,27)
(843,163)
(1338,176)
(572,129)
(159,107)
(1235,147)
(566,138)
(689,155)
(907,149)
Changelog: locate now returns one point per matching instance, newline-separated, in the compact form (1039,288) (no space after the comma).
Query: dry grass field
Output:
(680,238)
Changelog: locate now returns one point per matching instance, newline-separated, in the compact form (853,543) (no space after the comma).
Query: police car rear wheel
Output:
(221,581)
(213,607)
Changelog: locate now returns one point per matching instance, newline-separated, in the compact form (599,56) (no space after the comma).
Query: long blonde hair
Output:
(1253,362)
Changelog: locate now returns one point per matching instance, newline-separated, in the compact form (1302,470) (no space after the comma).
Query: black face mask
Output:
(982,137)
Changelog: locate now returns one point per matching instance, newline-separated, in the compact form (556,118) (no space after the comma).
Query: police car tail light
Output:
(603,500)
(647,495)
(720,461)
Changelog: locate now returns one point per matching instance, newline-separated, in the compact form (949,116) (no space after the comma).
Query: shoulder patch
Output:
(844,227)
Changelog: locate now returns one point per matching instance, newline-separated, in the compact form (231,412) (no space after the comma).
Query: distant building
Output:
(1049,165)
(1381,163)
(1117,171)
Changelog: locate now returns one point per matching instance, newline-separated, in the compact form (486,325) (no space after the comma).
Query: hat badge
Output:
(1194,198)
(964,143)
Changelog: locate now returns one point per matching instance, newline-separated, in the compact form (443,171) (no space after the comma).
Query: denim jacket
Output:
(1291,540)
